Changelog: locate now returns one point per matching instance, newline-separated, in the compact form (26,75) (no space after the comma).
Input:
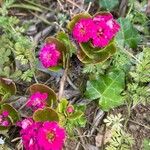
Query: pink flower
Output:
(113,25)
(102,17)
(102,35)
(5,113)
(105,29)
(37,100)
(4,120)
(49,55)
(1,118)
(25,123)
(83,30)
(5,123)
(29,136)
(51,136)
(43,136)
(70,109)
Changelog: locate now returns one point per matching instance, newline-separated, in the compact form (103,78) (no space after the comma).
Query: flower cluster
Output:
(100,30)
(49,55)
(42,135)
(4,120)
(37,100)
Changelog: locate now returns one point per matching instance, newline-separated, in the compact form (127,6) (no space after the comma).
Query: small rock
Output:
(133,127)
(32,30)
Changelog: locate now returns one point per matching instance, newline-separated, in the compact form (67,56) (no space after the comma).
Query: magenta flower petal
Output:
(113,25)
(25,123)
(49,55)
(102,35)
(105,29)
(29,136)
(43,136)
(37,100)
(5,123)
(4,120)
(5,113)
(83,30)
(51,136)
(102,17)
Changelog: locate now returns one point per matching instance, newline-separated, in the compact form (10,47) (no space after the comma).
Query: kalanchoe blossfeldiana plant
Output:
(7,89)
(41,96)
(37,100)
(51,54)
(83,30)
(8,116)
(4,120)
(71,116)
(42,135)
(95,36)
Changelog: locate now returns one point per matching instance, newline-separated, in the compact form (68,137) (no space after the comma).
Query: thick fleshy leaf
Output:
(3,128)
(56,68)
(62,106)
(83,57)
(52,99)
(13,114)
(64,38)
(108,4)
(128,35)
(88,54)
(7,88)
(46,114)
(76,18)
(76,115)
(60,46)
(107,89)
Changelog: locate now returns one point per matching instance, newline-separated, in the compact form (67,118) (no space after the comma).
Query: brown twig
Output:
(148,8)
(89,6)
(123,8)
(140,124)
(63,80)
(61,5)
(73,3)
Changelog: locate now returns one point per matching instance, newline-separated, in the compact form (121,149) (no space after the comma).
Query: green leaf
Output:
(7,88)
(88,54)
(107,89)
(55,69)
(128,35)
(64,38)
(26,6)
(76,18)
(12,112)
(76,115)
(46,114)
(13,115)
(62,105)
(108,4)
(52,99)
(146,144)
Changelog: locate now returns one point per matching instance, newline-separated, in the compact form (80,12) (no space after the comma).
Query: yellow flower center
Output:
(50,136)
